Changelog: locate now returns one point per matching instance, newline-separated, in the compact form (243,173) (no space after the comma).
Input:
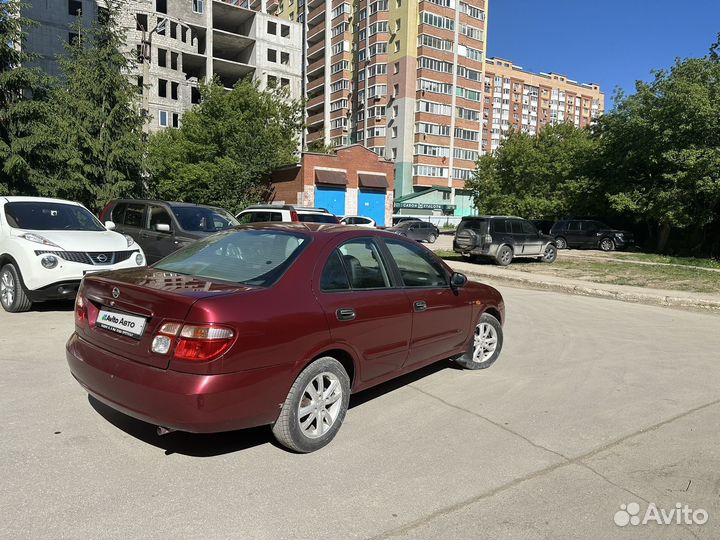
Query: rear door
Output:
(533,242)
(159,243)
(134,219)
(363,308)
(518,236)
(574,234)
(441,316)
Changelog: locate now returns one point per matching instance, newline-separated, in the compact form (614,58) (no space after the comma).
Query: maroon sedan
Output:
(275,324)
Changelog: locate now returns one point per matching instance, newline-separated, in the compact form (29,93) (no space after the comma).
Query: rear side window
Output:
(517,226)
(334,277)
(317,218)
(363,265)
(500,226)
(260,217)
(573,226)
(240,256)
(134,215)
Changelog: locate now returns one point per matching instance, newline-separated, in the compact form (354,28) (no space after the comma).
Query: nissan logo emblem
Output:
(102,258)
(115,292)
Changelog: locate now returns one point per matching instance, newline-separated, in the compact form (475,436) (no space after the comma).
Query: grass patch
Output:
(667,259)
(618,273)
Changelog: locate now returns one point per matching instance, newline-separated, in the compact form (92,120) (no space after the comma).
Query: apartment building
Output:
(178,43)
(515,99)
(402,77)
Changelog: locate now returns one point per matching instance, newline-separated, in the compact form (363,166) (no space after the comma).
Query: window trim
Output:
(397,275)
(390,267)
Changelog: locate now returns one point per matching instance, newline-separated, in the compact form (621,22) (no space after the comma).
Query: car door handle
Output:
(420,305)
(345,314)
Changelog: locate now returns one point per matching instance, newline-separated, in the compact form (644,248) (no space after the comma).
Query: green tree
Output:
(98,117)
(318,146)
(538,177)
(660,148)
(226,147)
(27,145)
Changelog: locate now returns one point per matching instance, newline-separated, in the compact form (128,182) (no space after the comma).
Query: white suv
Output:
(48,245)
(261,213)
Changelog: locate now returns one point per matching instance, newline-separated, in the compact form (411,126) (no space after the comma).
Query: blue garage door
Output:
(332,199)
(371,203)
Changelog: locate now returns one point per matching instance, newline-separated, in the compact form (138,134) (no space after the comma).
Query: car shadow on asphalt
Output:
(216,444)
(53,305)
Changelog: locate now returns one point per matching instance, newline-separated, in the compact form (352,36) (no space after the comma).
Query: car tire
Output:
(504,256)
(294,427)
(550,254)
(12,294)
(431,239)
(485,346)
(561,243)
(607,244)
(466,239)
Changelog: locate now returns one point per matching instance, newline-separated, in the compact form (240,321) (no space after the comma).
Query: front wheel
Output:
(607,244)
(315,407)
(486,344)
(12,294)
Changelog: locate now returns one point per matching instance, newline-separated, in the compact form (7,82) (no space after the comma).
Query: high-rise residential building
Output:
(402,77)
(518,100)
(178,43)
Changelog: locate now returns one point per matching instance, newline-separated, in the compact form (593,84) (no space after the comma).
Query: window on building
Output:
(272,28)
(199,6)
(175,120)
(174,88)
(285,30)
(284,58)
(73,38)
(284,82)
(272,55)
(183,34)
(397,46)
(140,84)
(173,30)
(141,22)
(161,7)
(271,81)
(174,60)
(393,132)
(396,90)
(393,153)
(163,118)
(160,28)
(162,88)
(396,68)
(74,7)
(162,58)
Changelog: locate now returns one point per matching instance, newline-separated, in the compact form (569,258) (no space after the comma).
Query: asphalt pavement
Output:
(593,404)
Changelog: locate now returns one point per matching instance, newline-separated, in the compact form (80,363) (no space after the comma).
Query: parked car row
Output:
(504,238)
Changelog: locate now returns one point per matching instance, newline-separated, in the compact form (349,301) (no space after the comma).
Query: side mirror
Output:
(110,225)
(457,280)
(162,227)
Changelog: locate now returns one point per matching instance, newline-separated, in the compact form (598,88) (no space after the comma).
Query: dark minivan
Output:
(501,239)
(162,227)
(589,233)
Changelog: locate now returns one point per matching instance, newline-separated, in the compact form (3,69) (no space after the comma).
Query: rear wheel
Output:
(12,294)
(607,244)
(431,239)
(504,256)
(550,254)
(561,243)
(315,407)
(486,344)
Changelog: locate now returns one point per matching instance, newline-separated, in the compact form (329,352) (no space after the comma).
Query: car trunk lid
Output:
(126,308)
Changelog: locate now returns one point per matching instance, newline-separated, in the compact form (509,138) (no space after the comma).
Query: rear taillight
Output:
(192,342)
(80,310)
(294,216)
(487,240)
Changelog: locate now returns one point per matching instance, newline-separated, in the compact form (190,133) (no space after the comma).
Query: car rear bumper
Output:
(180,401)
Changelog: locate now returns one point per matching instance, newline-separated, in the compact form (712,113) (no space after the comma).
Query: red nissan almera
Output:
(275,324)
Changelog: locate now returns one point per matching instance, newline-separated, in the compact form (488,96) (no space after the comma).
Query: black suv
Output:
(422,231)
(502,238)
(588,233)
(162,227)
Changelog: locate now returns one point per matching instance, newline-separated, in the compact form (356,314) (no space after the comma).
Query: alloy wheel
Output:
(485,342)
(7,289)
(607,244)
(320,405)
(550,253)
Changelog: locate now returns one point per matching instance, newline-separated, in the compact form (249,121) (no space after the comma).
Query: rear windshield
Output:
(50,216)
(317,218)
(240,256)
(477,224)
(203,219)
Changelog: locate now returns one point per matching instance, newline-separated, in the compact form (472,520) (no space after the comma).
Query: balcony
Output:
(230,72)
(316,119)
(315,84)
(316,16)
(316,50)
(232,18)
(313,70)
(316,34)
(232,47)
(315,102)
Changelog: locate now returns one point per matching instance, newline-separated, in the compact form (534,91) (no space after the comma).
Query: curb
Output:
(697,304)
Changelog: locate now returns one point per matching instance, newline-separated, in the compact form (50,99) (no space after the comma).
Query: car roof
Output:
(321,230)
(169,203)
(15,198)
(301,209)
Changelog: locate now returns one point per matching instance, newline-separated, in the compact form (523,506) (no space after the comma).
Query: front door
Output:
(159,235)
(533,242)
(441,316)
(363,309)
(574,234)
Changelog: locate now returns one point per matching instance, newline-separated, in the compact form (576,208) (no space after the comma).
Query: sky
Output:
(610,42)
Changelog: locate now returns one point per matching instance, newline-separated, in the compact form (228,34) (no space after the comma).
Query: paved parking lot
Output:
(593,404)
